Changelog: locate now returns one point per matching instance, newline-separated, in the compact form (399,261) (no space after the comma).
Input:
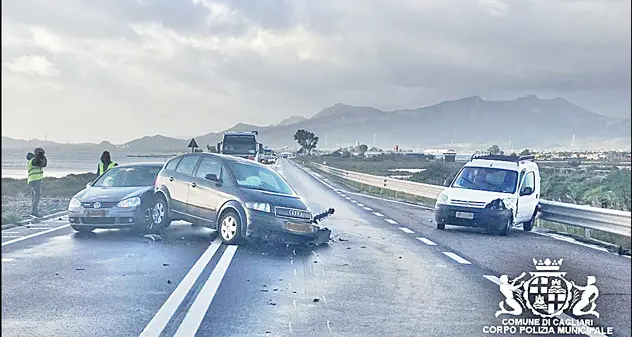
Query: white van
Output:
(494,192)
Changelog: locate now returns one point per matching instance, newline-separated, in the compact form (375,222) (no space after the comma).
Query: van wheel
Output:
(160,214)
(505,230)
(528,226)
(440,226)
(229,228)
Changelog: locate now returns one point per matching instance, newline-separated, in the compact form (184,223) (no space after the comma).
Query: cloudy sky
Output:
(88,70)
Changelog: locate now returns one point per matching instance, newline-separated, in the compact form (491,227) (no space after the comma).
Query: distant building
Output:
(449,156)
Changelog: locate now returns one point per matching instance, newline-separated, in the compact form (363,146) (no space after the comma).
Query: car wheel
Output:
(145,222)
(160,214)
(82,229)
(440,226)
(505,230)
(229,228)
(528,226)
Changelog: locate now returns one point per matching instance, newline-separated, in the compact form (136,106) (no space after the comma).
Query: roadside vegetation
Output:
(56,193)
(606,187)
(64,187)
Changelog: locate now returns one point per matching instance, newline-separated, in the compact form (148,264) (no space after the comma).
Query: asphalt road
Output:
(387,272)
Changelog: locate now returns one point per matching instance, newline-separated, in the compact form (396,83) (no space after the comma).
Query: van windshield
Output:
(487,179)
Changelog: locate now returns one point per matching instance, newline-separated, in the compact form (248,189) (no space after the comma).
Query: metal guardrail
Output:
(606,220)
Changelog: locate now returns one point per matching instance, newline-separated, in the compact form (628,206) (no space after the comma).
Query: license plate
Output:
(300,228)
(465,215)
(96,214)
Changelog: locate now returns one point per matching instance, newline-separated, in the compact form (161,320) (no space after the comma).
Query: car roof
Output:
(224,157)
(142,164)
(505,165)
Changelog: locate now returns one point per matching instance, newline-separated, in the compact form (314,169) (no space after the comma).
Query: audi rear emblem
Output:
(295,213)
(97,205)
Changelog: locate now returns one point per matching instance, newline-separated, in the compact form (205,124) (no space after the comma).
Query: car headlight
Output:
(129,202)
(74,203)
(509,202)
(258,206)
(442,199)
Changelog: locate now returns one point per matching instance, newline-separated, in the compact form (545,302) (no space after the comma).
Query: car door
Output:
(180,181)
(204,194)
(527,198)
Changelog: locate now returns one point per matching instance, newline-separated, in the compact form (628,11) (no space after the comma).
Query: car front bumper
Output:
(271,227)
(492,219)
(114,217)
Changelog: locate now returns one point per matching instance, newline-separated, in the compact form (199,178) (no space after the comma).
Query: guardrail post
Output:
(587,232)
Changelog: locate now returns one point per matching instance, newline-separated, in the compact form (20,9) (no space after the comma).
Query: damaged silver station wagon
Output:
(238,197)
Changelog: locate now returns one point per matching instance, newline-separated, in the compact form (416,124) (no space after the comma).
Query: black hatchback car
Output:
(238,197)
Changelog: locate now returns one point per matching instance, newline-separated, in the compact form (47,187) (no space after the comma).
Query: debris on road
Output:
(80,268)
(316,300)
(165,264)
(341,239)
(168,281)
(153,237)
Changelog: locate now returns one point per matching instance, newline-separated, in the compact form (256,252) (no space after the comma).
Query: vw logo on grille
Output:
(295,213)
(97,205)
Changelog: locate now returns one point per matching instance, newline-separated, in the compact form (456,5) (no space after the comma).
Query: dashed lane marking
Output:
(361,205)
(378,214)
(406,230)
(426,241)
(391,221)
(368,208)
(456,258)
(34,235)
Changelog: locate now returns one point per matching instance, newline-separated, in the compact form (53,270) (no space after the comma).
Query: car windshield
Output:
(240,146)
(259,178)
(128,177)
(487,179)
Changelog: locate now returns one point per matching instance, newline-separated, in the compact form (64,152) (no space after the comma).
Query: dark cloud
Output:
(262,61)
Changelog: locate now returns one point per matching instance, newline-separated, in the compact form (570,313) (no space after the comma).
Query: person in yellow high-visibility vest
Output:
(106,163)
(35,166)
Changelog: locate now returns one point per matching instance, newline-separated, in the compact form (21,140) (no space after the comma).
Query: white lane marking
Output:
(34,235)
(391,221)
(294,303)
(571,240)
(426,241)
(324,299)
(353,201)
(164,314)
(194,317)
(290,326)
(428,208)
(347,198)
(328,326)
(378,213)
(368,208)
(7,260)
(317,257)
(11,236)
(294,271)
(456,258)
(406,230)
(38,227)
(6,232)
(289,286)
(563,316)
(361,205)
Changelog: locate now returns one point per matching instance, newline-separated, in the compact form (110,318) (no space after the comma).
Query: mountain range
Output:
(525,122)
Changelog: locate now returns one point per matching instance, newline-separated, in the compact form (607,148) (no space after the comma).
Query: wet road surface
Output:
(387,272)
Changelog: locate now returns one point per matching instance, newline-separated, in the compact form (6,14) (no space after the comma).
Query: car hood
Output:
(474,195)
(274,199)
(110,194)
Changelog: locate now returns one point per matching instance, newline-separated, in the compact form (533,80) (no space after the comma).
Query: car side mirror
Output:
(526,191)
(211,177)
